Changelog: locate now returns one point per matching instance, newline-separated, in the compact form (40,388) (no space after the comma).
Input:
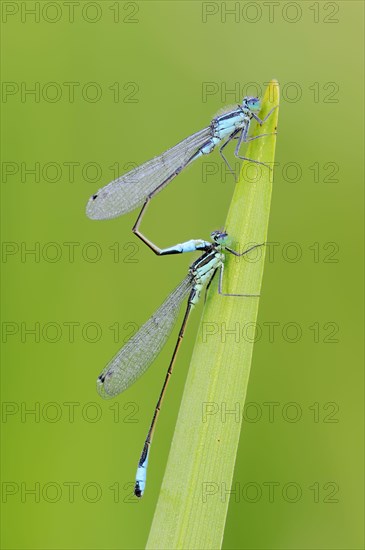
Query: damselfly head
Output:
(252,103)
(219,237)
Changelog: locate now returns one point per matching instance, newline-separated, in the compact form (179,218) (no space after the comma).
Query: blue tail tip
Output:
(137,490)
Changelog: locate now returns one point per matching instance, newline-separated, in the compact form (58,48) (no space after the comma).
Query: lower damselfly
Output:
(134,188)
(134,358)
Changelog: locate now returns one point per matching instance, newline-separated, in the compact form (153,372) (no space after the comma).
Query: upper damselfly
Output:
(134,358)
(140,184)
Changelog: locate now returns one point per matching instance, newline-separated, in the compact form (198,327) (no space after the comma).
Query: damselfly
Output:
(140,184)
(139,352)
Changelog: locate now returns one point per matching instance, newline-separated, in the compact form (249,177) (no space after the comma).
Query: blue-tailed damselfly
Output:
(142,183)
(133,359)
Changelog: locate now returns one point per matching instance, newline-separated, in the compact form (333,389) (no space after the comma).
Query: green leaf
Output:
(193,502)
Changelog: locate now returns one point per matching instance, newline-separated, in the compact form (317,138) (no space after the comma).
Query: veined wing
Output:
(139,352)
(131,190)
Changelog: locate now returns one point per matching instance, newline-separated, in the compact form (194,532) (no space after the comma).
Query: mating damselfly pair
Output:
(137,188)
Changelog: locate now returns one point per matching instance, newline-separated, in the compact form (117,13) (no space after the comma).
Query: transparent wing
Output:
(139,352)
(131,190)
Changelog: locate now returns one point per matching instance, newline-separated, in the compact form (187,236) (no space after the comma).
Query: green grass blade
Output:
(193,502)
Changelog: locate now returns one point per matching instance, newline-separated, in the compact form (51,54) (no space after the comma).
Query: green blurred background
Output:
(145,75)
